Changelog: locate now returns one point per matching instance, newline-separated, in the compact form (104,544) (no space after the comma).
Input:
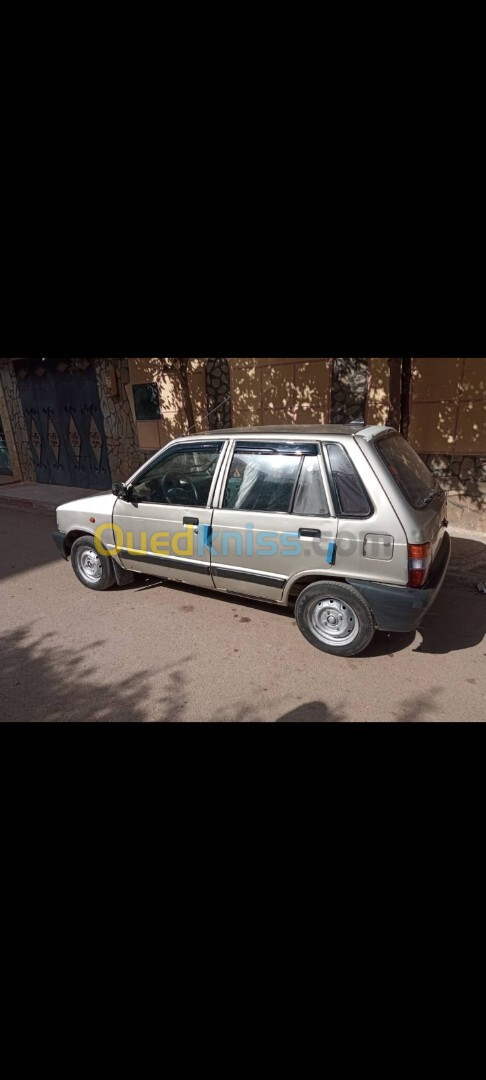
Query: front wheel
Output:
(335,618)
(93,570)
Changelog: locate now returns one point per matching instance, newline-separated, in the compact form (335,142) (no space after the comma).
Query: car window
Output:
(262,481)
(310,498)
(408,470)
(183,478)
(352,500)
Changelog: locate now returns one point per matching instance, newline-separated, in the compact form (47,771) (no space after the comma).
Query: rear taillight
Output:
(419,563)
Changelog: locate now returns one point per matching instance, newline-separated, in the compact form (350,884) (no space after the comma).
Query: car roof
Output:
(292,431)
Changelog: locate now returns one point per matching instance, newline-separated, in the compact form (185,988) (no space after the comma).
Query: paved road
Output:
(157,652)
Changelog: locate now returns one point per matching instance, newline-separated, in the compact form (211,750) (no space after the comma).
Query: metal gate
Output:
(64,423)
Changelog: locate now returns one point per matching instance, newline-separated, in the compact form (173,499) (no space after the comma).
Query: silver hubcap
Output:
(334,622)
(90,565)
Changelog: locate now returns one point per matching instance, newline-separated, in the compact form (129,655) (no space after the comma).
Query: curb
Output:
(467,534)
(26,504)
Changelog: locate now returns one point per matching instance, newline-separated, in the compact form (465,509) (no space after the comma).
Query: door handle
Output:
(314,533)
(190,521)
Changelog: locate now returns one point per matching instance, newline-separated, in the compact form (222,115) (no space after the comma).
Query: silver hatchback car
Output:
(344,523)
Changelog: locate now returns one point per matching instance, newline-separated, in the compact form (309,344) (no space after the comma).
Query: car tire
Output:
(92,570)
(335,618)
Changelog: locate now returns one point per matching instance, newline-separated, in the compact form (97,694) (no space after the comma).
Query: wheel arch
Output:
(295,586)
(73,535)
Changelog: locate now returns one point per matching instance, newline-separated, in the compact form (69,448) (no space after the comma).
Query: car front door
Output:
(162,528)
(275,518)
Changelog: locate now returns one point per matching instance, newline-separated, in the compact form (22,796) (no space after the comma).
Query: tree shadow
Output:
(350,378)
(44,682)
(280,390)
(173,421)
(174,400)
(421,708)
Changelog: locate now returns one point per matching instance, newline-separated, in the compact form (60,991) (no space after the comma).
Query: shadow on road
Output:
(42,682)
(143,584)
(45,682)
(421,708)
(25,540)
(456,622)
(458,619)
(313,712)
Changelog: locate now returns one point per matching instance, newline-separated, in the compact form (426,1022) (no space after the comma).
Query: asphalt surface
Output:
(160,652)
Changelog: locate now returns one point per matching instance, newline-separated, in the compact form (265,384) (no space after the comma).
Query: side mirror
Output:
(121,491)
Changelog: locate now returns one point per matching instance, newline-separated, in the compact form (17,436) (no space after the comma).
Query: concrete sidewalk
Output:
(467,514)
(41,496)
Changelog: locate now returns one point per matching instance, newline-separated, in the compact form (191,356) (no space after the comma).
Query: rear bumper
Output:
(60,542)
(400,609)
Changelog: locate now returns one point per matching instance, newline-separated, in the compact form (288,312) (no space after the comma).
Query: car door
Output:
(274,518)
(163,527)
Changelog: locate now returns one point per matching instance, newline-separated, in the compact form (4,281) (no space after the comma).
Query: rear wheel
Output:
(93,570)
(335,618)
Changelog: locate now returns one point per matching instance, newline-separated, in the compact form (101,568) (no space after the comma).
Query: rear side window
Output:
(408,470)
(262,481)
(351,497)
(310,498)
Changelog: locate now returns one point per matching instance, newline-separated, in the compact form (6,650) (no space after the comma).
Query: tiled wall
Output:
(277,390)
(448,407)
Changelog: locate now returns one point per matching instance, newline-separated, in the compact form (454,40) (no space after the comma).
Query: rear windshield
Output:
(408,470)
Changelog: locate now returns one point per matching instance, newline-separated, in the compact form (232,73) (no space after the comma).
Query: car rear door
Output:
(273,518)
